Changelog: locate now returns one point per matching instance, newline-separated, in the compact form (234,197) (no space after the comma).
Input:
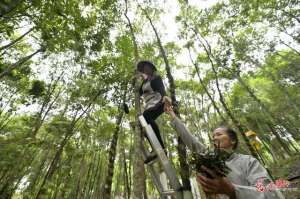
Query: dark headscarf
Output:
(142,64)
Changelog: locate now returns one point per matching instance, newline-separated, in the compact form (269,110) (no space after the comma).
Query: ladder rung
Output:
(152,161)
(169,192)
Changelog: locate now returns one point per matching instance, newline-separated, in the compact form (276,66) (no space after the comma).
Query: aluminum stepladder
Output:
(176,188)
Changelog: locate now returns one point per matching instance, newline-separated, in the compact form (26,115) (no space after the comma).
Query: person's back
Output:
(246,171)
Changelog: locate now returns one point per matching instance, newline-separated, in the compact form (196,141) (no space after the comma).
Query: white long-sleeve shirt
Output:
(245,169)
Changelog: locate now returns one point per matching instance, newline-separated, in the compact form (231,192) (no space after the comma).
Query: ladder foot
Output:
(150,158)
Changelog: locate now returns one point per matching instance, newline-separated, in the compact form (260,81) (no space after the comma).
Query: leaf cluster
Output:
(212,159)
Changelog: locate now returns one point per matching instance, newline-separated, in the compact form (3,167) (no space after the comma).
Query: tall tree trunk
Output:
(184,167)
(191,118)
(97,190)
(205,89)
(52,166)
(266,109)
(57,185)
(268,148)
(36,174)
(47,105)
(19,63)
(236,74)
(77,187)
(65,140)
(94,178)
(111,157)
(231,116)
(6,8)
(5,116)
(88,176)
(237,124)
(138,164)
(130,167)
(126,176)
(13,180)
(290,99)
(278,138)
(16,40)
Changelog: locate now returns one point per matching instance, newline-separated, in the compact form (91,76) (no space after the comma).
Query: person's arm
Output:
(158,85)
(192,143)
(141,89)
(255,172)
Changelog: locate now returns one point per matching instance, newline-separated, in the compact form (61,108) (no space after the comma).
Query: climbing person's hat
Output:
(142,64)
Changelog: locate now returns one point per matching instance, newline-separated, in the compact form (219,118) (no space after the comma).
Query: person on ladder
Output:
(152,91)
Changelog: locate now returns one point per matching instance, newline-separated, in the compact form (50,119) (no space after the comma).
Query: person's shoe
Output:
(166,152)
(150,158)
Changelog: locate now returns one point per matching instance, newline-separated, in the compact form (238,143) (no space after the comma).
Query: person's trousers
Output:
(150,116)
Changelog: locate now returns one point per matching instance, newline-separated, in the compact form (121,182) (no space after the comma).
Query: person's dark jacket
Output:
(152,91)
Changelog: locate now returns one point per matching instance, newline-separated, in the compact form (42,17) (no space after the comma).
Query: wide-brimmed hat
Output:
(142,64)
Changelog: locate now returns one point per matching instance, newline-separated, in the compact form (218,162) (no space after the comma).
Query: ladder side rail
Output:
(167,166)
(153,174)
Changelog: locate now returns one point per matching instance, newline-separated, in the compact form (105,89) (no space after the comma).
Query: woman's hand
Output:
(138,75)
(167,100)
(168,108)
(218,185)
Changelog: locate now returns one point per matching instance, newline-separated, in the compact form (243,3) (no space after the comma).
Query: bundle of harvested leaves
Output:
(213,160)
